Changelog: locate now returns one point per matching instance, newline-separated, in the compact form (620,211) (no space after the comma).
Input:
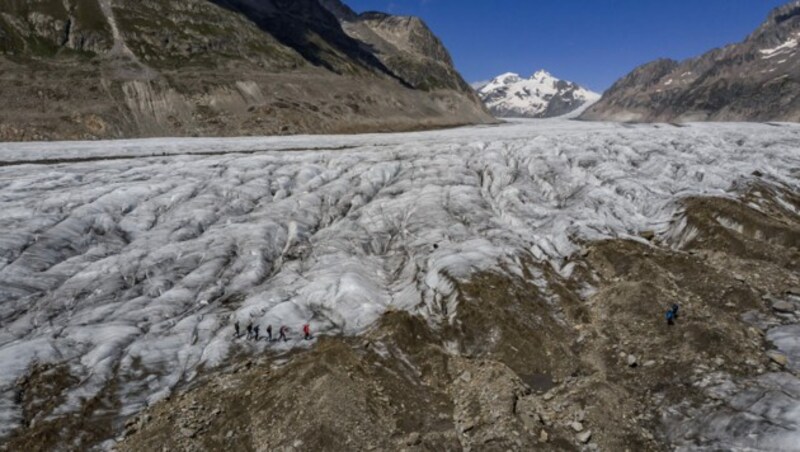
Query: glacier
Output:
(129,261)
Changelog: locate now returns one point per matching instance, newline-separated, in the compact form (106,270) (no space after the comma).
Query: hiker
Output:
(307,331)
(269,333)
(238,332)
(249,331)
(675,308)
(282,333)
(255,330)
(670,317)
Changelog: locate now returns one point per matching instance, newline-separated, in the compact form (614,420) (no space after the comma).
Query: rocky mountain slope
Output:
(755,80)
(85,69)
(540,96)
(404,44)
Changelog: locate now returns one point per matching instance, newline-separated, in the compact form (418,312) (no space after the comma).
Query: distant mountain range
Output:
(540,96)
(88,69)
(755,80)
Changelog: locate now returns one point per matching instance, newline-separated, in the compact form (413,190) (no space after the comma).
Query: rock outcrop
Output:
(88,69)
(755,80)
(406,46)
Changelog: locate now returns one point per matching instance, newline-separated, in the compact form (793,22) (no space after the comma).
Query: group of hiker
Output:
(254,332)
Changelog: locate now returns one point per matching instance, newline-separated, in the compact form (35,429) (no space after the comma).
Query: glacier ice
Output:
(135,268)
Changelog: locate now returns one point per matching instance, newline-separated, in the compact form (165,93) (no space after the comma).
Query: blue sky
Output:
(592,42)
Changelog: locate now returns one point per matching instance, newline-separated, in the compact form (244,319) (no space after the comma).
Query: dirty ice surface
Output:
(761,413)
(134,269)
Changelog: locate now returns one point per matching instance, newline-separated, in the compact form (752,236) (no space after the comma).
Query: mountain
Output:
(87,69)
(540,96)
(404,44)
(755,80)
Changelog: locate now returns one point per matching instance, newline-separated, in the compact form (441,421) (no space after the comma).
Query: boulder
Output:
(543,436)
(778,358)
(783,306)
(632,361)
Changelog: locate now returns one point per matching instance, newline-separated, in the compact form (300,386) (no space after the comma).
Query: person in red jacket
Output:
(307,331)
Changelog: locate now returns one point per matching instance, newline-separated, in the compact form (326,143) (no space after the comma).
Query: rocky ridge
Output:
(404,44)
(755,80)
(87,69)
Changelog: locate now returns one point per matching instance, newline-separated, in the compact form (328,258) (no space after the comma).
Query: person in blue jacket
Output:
(672,314)
(670,317)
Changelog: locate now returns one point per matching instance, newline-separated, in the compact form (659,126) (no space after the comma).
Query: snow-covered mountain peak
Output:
(540,96)
(542,74)
(509,77)
(500,81)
